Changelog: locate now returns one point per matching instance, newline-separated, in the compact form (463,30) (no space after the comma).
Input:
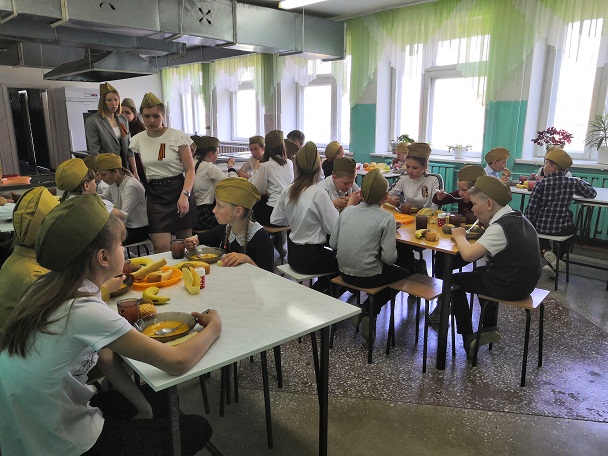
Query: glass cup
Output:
(129,309)
(178,248)
(455,219)
(421,222)
(441,219)
(406,208)
(126,268)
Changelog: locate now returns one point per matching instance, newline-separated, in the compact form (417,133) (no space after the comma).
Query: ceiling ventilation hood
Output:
(102,67)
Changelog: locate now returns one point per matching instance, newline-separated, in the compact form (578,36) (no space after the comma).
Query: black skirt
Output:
(161,202)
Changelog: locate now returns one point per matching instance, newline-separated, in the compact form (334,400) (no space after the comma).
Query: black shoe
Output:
(435,315)
(489,335)
(365,328)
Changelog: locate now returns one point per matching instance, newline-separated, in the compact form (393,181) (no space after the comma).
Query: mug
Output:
(129,309)
(421,222)
(406,208)
(441,217)
(178,247)
(455,219)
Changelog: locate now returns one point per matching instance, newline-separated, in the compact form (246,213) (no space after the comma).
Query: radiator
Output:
(599,220)
(232,148)
(446,171)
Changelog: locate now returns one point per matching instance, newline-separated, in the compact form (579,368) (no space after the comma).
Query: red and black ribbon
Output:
(123,130)
(161,152)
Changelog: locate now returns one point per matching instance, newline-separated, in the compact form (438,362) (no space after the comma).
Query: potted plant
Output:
(551,137)
(405,138)
(459,150)
(597,137)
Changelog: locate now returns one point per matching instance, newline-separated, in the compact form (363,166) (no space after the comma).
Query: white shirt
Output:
(311,218)
(419,191)
(44,396)
(490,172)
(130,199)
(148,149)
(207,175)
(249,166)
(328,185)
(494,238)
(272,179)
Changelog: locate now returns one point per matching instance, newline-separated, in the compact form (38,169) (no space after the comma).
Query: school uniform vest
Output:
(514,272)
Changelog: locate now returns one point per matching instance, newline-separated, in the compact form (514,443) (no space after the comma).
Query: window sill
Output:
(438,158)
(582,164)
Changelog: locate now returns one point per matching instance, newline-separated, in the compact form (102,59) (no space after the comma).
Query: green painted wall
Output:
(505,127)
(362,131)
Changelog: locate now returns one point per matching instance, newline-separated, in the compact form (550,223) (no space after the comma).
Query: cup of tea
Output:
(531,184)
(178,248)
(470,218)
(406,208)
(523,178)
(126,267)
(129,309)
(455,219)
(421,222)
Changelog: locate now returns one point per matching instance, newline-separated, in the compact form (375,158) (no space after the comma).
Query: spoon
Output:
(166,331)
(472,226)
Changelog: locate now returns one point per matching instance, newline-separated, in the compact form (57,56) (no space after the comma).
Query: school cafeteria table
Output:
(259,311)
(405,234)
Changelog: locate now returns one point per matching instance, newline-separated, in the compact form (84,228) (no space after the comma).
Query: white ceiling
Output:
(341,9)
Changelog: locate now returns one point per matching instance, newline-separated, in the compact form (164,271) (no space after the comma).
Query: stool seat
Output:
(550,237)
(298,277)
(428,288)
(276,229)
(370,308)
(558,242)
(277,237)
(533,302)
(137,246)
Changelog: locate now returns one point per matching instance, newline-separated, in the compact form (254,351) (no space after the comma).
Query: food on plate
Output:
(220,263)
(151,296)
(193,264)
(145,310)
(141,261)
(429,235)
(143,272)
(192,280)
(524,185)
(432,220)
(159,276)
(447,229)
(425,211)
(169,324)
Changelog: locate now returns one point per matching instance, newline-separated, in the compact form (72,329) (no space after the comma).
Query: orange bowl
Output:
(404,218)
(176,276)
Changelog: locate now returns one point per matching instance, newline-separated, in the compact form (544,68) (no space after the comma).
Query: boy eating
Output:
(341,184)
(496,161)
(256,146)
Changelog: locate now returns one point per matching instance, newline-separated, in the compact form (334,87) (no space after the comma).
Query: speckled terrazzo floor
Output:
(390,407)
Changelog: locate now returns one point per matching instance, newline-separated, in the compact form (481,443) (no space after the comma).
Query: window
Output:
(193,109)
(246,109)
(573,90)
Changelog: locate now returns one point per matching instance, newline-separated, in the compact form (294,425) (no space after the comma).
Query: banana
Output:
(192,281)
(150,295)
(142,261)
(193,264)
(426,211)
(143,272)
(419,234)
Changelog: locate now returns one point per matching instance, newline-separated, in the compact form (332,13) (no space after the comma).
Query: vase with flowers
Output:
(459,150)
(552,137)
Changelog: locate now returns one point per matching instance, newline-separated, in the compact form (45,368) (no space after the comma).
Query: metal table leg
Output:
(323,402)
(446,295)
(174,416)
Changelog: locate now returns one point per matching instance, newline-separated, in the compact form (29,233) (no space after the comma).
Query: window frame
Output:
(245,85)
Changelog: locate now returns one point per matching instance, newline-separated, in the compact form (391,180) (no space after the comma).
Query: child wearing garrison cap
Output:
(256,147)
(364,240)
(549,205)
(496,166)
(341,184)
(399,161)
(297,137)
(74,178)
(333,151)
(244,240)
(508,238)
(207,175)
(307,209)
(61,329)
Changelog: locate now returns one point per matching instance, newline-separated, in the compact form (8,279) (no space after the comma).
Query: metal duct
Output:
(100,68)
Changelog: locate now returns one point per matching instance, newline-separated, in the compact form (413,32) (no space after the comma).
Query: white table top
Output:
(389,175)
(259,310)
(6,226)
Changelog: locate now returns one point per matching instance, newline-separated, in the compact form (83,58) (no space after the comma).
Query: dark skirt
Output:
(206,218)
(161,202)
(135,235)
(262,212)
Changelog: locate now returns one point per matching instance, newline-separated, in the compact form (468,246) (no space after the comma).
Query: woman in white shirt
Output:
(307,209)
(273,176)
(167,159)
(61,329)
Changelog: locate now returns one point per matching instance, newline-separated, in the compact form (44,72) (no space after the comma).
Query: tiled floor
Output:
(391,408)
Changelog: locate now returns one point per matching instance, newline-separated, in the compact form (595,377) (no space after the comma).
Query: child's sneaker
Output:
(552,260)
(365,329)
(435,315)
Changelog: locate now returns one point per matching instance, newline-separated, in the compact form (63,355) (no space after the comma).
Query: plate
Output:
(473,235)
(143,323)
(126,284)
(207,254)
(403,218)
(175,277)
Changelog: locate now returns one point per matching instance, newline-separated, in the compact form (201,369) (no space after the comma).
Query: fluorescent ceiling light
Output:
(291,4)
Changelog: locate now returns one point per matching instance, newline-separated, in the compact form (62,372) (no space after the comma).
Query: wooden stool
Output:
(137,245)
(532,302)
(557,241)
(275,231)
(371,292)
(427,288)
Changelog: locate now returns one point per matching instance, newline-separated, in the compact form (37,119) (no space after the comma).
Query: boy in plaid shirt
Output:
(549,205)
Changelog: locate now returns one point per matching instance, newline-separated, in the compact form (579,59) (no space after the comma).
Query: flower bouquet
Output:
(553,137)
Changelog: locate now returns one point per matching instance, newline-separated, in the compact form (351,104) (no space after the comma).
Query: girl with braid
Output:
(244,240)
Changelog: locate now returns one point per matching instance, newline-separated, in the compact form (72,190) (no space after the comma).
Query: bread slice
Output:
(159,276)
